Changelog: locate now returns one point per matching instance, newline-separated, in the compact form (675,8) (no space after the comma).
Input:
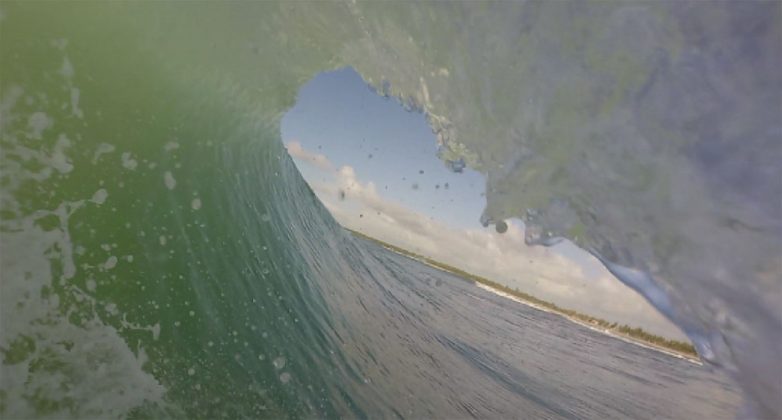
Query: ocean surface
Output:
(161,256)
(450,349)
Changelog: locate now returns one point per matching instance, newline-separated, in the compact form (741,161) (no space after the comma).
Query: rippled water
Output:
(449,349)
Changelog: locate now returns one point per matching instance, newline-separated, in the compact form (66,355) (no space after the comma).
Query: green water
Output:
(200,291)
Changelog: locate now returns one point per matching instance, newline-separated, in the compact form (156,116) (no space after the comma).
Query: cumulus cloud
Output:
(318,160)
(504,258)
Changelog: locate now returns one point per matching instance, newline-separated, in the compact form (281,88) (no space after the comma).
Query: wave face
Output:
(145,190)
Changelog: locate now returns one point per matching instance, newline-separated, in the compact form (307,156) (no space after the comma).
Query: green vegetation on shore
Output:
(635,333)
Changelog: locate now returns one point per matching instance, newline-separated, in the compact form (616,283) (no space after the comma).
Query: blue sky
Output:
(345,138)
(339,116)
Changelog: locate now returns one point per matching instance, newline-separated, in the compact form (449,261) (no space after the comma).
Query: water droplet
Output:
(501,227)
(110,263)
(279,362)
(285,377)
(169,180)
(128,162)
(100,196)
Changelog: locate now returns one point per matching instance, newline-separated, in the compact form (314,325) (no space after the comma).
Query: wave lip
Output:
(634,134)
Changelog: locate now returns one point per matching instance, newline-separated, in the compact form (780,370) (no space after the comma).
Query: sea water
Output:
(162,257)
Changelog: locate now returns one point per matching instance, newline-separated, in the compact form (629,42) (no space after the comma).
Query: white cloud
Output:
(298,152)
(504,258)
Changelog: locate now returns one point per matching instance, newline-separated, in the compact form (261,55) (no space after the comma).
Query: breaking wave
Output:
(145,188)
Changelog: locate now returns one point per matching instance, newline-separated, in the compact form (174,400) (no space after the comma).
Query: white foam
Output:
(66,70)
(82,362)
(102,149)
(100,196)
(75,110)
(128,162)
(110,263)
(168,180)
(38,123)
(279,363)
(58,159)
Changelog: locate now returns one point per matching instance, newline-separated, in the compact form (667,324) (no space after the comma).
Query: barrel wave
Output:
(162,256)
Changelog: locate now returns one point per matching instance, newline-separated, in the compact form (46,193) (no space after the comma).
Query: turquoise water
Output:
(161,255)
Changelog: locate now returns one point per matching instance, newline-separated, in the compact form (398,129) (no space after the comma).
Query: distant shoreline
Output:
(625,333)
(619,336)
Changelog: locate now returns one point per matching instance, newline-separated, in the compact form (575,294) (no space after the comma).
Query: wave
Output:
(144,186)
